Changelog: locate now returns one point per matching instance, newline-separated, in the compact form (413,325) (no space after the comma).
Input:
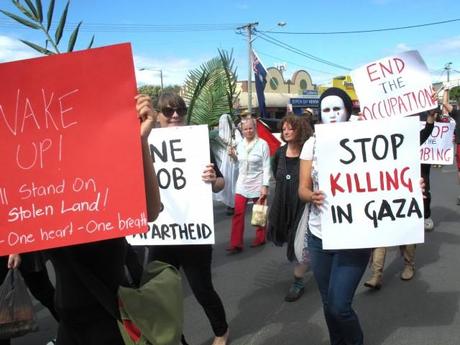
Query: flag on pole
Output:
(260,77)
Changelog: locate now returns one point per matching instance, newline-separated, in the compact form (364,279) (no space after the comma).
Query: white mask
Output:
(333,110)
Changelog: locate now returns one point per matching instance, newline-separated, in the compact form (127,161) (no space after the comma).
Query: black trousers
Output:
(425,173)
(195,261)
(92,325)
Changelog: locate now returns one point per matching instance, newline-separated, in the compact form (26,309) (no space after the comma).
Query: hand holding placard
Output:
(147,115)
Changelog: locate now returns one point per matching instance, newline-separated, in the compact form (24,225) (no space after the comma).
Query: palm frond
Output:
(210,90)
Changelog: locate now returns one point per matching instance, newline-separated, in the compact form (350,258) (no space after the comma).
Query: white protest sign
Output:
(398,85)
(370,174)
(439,147)
(180,156)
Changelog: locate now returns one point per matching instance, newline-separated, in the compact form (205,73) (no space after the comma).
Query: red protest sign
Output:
(71,155)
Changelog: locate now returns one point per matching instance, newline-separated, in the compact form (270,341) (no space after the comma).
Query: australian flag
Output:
(260,76)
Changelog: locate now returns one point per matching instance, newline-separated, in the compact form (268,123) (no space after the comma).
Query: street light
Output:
(280,24)
(155,70)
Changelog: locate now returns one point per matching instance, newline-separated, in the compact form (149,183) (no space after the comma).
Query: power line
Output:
(295,64)
(116,27)
(286,46)
(362,31)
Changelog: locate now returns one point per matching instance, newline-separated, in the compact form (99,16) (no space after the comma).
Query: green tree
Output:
(33,17)
(154,91)
(454,94)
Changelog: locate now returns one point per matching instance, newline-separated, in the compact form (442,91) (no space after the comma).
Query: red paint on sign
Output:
(70,153)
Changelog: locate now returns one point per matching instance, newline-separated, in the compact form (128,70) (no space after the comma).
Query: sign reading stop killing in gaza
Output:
(398,85)
(369,172)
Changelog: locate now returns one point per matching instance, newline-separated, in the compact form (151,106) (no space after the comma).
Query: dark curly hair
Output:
(300,125)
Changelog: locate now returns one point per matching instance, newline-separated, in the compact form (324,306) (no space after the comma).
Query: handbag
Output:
(259,214)
(153,313)
(17,316)
(301,239)
(149,315)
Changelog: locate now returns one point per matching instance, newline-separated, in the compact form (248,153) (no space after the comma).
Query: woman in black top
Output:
(286,209)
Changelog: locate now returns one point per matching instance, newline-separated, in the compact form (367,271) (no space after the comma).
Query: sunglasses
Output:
(169,112)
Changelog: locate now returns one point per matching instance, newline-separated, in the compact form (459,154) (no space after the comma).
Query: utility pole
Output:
(249,27)
(448,68)
(161,79)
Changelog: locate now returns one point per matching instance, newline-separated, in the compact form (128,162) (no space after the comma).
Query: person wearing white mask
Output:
(337,272)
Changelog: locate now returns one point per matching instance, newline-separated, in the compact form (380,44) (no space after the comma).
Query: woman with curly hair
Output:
(286,209)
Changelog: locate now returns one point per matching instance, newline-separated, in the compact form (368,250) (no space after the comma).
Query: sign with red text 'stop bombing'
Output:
(398,85)
(439,147)
(71,157)
(369,172)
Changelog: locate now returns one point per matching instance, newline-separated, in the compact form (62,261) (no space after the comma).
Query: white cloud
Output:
(402,47)
(242,6)
(12,50)
(174,70)
(447,45)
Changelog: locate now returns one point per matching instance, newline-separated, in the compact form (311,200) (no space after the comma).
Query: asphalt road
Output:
(252,285)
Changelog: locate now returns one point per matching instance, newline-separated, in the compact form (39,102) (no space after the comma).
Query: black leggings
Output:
(425,173)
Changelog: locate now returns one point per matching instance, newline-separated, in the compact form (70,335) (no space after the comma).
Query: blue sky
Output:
(170,42)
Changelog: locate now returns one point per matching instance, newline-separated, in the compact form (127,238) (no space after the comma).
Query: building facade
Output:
(281,94)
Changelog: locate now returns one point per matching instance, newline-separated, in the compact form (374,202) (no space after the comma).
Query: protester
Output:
(229,137)
(337,272)
(286,208)
(195,260)
(252,155)
(309,114)
(84,320)
(407,251)
(455,114)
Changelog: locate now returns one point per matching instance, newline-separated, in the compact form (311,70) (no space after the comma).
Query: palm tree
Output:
(210,90)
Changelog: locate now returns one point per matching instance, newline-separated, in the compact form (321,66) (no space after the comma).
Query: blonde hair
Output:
(252,120)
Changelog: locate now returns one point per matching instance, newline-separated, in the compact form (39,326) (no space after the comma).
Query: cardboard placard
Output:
(439,147)
(71,155)
(394,86)
(370,174)
(181,155)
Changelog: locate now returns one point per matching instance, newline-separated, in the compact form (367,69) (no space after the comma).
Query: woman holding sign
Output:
(195,260)
(84,318)
(408,251)
(337,272)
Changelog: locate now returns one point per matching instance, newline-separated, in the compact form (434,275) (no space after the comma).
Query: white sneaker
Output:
(429,225)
